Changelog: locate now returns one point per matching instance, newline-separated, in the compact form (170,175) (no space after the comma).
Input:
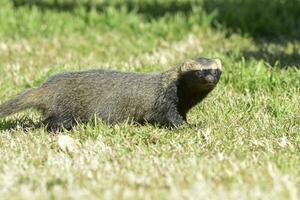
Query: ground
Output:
(243,140)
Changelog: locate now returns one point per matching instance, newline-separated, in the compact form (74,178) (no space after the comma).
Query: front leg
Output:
(173,119)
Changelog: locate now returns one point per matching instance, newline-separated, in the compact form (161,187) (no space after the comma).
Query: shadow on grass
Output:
(23,124)
(257,18)
(281,54)
(281,60)
(274,26)
(268,22)
(148,8)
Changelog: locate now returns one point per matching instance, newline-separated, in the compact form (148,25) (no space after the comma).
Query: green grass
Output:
(243,141)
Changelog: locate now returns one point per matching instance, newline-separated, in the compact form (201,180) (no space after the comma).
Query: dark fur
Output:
(157,98)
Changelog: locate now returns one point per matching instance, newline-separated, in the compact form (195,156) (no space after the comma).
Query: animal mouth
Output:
(209,85)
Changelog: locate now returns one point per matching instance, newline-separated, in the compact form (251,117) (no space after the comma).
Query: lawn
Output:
(243,141)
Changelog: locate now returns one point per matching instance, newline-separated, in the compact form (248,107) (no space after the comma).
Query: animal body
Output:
(156,98)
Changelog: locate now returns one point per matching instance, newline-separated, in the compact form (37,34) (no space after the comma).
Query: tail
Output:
(28,99)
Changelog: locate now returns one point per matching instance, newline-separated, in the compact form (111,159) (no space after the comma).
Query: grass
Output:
(243,141)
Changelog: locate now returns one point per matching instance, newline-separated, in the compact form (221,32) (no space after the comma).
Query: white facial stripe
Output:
(194,65)
(218,64)
(213,66)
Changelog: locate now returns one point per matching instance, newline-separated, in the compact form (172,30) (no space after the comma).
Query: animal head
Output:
(201,73)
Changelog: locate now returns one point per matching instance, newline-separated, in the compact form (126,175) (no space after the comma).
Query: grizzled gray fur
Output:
(156,98)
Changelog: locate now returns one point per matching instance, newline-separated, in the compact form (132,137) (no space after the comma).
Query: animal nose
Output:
(210,78)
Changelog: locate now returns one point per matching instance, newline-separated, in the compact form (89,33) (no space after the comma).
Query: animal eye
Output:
(199,73)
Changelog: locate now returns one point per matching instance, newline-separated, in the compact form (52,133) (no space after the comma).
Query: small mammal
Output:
(156,98)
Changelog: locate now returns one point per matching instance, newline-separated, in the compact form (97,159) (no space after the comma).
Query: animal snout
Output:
(210,79)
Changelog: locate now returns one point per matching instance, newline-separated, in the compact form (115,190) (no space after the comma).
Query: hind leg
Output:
(58,123)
